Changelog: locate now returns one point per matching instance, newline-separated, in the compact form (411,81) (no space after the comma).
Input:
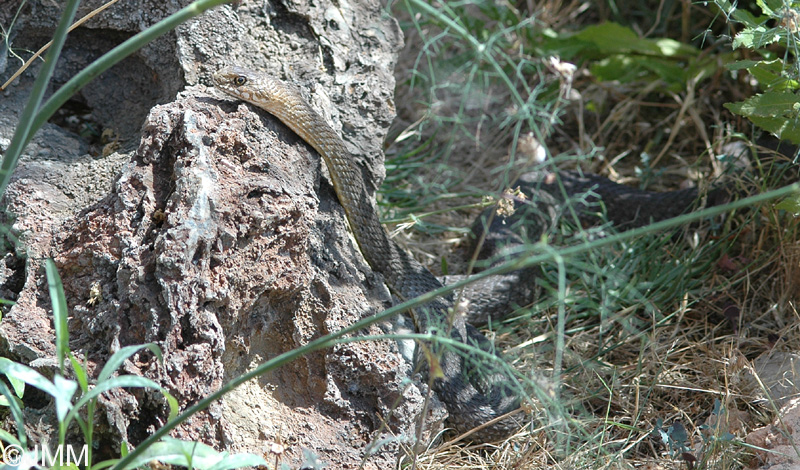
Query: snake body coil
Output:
(471,401)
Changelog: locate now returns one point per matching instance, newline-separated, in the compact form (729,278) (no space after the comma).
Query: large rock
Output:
(213,231)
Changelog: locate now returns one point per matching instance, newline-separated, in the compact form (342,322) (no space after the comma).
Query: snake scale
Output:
(472,398)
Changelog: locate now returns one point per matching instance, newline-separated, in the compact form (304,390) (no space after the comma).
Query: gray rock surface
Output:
(212,229)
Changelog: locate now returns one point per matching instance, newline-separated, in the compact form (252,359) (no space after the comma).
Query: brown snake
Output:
(470,403)
(472,395)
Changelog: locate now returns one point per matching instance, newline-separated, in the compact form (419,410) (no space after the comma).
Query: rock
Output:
(777,371)
(212,230)
(775,444)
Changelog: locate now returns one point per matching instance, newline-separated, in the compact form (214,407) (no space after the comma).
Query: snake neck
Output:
(405,276)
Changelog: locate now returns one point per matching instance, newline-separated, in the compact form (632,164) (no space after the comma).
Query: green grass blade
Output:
(25,127)
(6,436)
(16,411)
(105,464)
(60,312)
(80,372)
(195,455)
(64,391)
(120,356)
(482,52)
(61,389)
(130,381)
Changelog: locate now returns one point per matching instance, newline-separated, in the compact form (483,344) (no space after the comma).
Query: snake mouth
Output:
(224,79)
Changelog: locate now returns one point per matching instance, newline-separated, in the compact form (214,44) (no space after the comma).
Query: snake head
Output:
(236,81)
(260,89)
(285,102)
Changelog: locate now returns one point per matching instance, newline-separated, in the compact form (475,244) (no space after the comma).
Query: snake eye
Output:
(240,80)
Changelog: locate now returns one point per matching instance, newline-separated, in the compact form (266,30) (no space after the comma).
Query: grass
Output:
(644,332)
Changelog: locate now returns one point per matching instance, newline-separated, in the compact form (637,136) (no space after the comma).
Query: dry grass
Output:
(669,355)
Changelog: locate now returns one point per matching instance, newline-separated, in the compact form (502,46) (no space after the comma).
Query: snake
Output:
(485,404)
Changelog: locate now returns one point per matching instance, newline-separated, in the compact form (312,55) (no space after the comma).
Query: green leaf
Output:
(671,48)
(670,71)
(106,464)
(776,112)
(106,385)
(194,455)
(6,436)
(623,56)
(612,38)
(80,372)
(770,104)
(677,433)
(60,312)
(626,68)
(769,7)
(742,64)
(783,128)
(619,67)
(606,39)
(609,38)
(561,45)
(61,389)
(18,386)
(239,461)
(771,77)
(758,37)
(740,15)
(15,405)
(119,357)
(65,391)
(790,204)
(745,17)
(174,407)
